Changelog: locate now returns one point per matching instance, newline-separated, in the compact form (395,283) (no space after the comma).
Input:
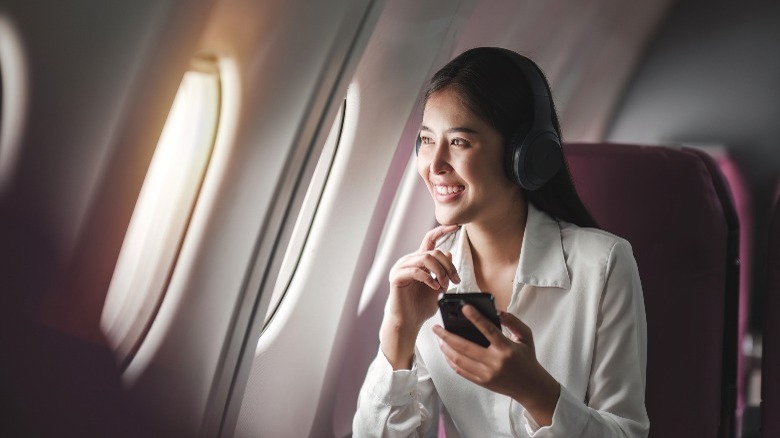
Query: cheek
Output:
(422,170)
(492,177)
(484,171)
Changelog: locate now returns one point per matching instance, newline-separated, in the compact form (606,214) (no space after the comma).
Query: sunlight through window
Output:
(163,210)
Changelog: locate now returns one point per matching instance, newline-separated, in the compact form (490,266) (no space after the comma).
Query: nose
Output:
(440,158)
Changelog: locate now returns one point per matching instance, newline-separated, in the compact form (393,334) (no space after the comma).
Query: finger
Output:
(518,328)
(431,237)
(434,262)
(484,325)
(445,259)
(470,352)
(461,371)
(436,265)
(420,275)
(462,346)
(468,367)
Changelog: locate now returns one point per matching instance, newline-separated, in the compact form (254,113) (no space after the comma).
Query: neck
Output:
(497,242)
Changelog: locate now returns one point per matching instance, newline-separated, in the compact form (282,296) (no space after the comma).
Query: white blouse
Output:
(578,290)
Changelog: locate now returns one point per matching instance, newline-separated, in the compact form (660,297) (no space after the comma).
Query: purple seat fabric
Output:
(665,202)
(743,205)
(770,374)
(735,190)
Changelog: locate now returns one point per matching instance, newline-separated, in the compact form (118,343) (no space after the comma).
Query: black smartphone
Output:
(450,306)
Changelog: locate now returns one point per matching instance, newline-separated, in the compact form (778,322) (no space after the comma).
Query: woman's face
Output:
(461,161)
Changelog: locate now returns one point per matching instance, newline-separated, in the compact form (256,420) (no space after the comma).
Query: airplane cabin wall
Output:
(99,77)
(587,50)
(290,64)
(710,77)
(96,72)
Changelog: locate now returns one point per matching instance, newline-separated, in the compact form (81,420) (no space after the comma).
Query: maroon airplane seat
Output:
(770,374)
(665,202)
(736,190)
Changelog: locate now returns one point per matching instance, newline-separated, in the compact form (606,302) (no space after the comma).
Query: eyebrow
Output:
(452,130)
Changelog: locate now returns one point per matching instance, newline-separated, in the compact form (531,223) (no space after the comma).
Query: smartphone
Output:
(450,305)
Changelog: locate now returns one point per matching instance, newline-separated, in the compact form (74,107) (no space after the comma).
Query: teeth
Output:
(446,190)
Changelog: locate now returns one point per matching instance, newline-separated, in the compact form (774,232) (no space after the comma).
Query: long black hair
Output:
(495,89)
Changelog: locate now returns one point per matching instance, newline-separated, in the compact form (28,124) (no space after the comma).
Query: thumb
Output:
(519,329)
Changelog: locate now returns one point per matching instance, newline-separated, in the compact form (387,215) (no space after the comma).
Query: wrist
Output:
(397,343)
(541,400)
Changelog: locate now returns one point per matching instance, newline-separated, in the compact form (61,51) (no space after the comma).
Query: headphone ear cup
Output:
(512,151)
(538,160)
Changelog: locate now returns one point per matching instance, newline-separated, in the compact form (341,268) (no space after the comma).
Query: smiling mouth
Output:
(448,189)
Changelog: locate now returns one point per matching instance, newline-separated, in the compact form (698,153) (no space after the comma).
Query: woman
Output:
(570,358)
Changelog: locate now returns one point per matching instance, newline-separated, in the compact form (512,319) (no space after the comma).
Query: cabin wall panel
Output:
(101,76)
(101,79)
(710,78)
(586,49)
(84,57)
(290,60)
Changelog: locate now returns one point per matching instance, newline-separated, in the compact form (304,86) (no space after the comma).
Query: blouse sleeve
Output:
(401,403)
(615,405)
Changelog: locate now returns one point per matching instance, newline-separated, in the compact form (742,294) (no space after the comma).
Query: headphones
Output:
(532,158)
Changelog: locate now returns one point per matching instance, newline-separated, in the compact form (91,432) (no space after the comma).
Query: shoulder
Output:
(593,244)
(604,261)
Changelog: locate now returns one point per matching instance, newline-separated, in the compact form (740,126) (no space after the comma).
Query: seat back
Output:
(735,198)
(770,366)
(665,202)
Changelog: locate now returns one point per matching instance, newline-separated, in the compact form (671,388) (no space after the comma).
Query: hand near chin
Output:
(507,366)
(415,282)
(417,278)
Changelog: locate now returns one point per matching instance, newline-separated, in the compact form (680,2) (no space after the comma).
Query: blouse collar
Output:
(542,261)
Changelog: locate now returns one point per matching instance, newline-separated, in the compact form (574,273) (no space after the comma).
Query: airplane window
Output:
(306,215)
(1,98)
(163,209)
(2,103)
(13,96)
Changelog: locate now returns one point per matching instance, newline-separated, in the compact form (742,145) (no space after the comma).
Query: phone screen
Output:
(450,305)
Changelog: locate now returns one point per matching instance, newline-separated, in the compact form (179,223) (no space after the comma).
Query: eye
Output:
(459,142)
(425,140)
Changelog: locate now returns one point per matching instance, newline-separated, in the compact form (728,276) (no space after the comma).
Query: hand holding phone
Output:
(451,305)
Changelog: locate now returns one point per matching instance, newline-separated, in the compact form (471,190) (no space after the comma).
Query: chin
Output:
(448,219)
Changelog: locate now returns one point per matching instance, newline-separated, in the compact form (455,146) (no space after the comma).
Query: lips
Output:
(443,189)
(447,192)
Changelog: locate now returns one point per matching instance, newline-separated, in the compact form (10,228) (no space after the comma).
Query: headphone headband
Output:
(533,157)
